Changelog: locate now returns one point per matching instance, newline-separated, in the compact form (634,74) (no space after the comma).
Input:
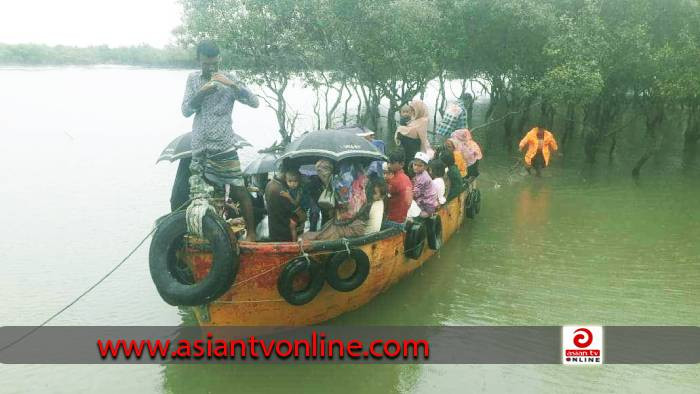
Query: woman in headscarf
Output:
(471,151)
(454,149)
(413,137)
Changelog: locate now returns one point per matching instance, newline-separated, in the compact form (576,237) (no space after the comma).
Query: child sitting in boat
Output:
(471,151)
(451,146)
(454,178)
(424,193)
(436,169)
(295,194)
(376,196)
(399,190)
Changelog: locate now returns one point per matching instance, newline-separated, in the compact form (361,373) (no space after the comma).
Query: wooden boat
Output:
(254,299)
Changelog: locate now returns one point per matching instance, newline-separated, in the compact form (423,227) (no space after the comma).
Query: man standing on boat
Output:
(210,95)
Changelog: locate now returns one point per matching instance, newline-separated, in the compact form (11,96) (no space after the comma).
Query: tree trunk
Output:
(330,112)
(317,108)
(469,104)
(547,115)
(282,115)
(524,117)
(347,101)
(493,100)
(612,148)
(590,116)
(358,117)
(655,116)
(691,136)
(508,132)
(569,125)
(438,104)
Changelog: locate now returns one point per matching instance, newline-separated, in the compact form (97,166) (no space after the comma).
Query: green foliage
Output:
(595,57)
(142,55)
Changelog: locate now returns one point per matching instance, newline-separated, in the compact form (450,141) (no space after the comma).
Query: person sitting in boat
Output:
(436,169)
(376,194)
(413,137)
(399,189)
(346,191)
(454,183)
(312,191)
(297,197)
(325,195)
(279,209)
(210,96)
(375,168)
(256,187)
(424,193)
(539,143)
(451,146)
(471,152)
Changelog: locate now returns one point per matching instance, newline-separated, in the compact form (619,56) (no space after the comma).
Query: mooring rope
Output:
(91,288)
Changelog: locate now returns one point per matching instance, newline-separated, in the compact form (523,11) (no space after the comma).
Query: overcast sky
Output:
(89,22)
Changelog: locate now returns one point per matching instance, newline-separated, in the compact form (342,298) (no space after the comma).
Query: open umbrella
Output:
(181,147)
(265,163)
(336,145)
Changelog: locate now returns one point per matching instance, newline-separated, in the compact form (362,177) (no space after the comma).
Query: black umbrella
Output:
(263,164)
(181,147)
(337,144)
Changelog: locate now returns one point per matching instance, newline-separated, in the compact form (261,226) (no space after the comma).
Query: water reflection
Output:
(532,210)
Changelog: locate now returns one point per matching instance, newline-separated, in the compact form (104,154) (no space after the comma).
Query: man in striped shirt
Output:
(455,117)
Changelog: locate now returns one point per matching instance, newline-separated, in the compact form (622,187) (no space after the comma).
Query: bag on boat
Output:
(327,199)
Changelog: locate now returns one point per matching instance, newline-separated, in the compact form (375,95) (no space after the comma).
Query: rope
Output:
(306,255)
(249,301)
(91,288)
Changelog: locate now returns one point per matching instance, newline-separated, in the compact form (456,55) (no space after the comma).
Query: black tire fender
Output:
(177,288)
(478,201)
(473,203)
(293,268)
(414,243)
(358,276)
(435,232)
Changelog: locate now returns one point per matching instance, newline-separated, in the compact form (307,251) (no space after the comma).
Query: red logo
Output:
(582,345)
(584,337)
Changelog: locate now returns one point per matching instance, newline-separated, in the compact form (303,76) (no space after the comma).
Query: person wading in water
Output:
(210,96)
(539,143)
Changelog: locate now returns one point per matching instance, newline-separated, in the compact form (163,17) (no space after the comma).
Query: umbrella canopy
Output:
(336,145)
(181,147)
(266,162)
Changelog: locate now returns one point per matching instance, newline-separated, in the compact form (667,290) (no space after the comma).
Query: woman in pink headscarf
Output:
(471,151)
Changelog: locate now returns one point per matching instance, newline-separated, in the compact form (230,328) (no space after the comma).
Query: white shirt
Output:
(439,185)
(413,210)
(376,214)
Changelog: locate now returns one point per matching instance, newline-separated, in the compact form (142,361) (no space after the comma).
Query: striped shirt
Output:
(455,118)
(212,129)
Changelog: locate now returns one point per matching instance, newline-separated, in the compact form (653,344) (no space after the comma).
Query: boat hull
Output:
(253,299)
